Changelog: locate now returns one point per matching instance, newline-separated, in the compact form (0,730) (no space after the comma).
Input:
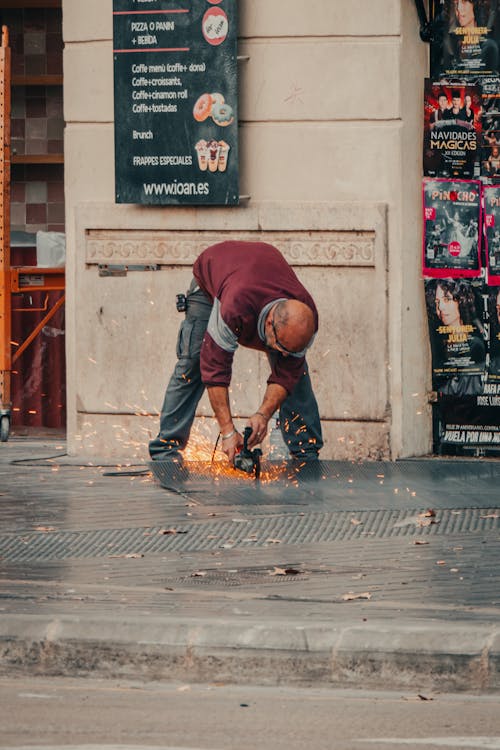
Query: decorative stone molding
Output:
(317,233)
(314,248)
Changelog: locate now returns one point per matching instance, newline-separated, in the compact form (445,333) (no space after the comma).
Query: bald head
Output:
(294,324)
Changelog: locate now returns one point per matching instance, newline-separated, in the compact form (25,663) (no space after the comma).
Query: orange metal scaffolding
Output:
(18,279)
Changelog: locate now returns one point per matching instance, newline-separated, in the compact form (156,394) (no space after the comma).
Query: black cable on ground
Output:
(42,461)
(41,458)
(127,473)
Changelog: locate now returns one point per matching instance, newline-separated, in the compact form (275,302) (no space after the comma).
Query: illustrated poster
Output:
(452,228)
(466,39)
(452,130)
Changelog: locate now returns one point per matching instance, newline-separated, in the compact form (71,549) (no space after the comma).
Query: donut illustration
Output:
(214,2)
(217,98)
(215,26)
(202,108)
(222,114)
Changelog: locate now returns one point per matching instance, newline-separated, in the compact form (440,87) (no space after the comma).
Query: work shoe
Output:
(169,472)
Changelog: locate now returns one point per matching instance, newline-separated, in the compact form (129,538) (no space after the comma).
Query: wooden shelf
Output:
(53,80)
(20,4)
(37,159)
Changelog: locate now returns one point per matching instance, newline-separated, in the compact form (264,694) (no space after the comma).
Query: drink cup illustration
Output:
(223,155)
(213,155)
(203,155)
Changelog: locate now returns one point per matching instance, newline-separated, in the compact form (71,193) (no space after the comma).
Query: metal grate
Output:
(254,532)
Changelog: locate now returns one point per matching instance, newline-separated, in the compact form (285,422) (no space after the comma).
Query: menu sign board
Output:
(175,86)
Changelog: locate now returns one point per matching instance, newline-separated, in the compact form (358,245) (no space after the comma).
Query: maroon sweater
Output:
(244,277)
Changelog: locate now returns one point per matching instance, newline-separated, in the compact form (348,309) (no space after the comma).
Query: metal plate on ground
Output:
(310,528)
(443,483)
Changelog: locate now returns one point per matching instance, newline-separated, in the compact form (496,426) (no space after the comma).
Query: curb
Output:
(426,656)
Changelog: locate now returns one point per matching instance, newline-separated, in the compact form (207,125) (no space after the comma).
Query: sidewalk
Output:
(377,575)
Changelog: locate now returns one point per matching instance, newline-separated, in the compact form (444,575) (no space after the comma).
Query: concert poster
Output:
(468,408)
(452,228)
(455,314)
(492,232)
(452,130)
(466,39)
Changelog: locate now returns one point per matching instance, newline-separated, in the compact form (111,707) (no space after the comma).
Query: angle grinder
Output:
(247,460)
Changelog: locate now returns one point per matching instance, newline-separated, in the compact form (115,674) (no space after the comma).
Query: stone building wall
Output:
(330,137)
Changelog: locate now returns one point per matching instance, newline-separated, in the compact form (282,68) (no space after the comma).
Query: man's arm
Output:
(219,399)
(231,438)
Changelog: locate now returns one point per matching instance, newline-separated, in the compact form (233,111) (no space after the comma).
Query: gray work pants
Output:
(299,415)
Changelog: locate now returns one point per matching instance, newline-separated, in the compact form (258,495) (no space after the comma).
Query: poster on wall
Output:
(490,118)
(175,98)
(466,40)
(468,412)
(493,302)
(452,130)
(492,232)
(490,161)
(470,424)
(457,336)
(452,228)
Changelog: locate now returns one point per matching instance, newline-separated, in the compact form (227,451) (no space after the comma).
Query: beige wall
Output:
(330,110)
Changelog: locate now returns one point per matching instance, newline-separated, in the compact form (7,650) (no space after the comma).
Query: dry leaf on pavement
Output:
(430,513)
(350,597)
(171,531)
(130,555)
(284,572)
(427,518)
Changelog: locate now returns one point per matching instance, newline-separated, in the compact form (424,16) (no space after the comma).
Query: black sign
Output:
(464,426)
(176,123)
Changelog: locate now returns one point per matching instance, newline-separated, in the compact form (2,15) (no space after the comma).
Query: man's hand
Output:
(258,422)
(273,398)
(231,445)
